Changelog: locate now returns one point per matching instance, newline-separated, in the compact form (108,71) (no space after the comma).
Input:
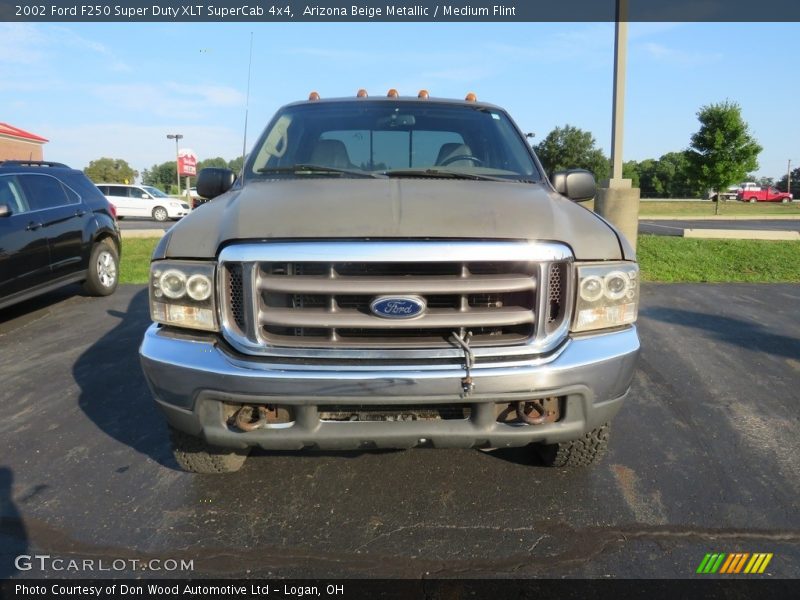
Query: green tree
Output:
(217,162)
(781,185)
(630,170)
(161,176)
(571,148)
(722,151)
(235,164)
(110,170)
(673,173)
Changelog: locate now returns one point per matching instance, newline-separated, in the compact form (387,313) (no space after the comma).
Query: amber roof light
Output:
(362,93)
(313,96)
(471,97)
(392,93)
(423,94)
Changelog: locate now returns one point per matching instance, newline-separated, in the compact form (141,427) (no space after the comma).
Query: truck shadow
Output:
(113,391)
(737,332)
(13,536)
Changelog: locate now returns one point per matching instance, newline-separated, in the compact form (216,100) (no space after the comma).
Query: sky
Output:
(117,89)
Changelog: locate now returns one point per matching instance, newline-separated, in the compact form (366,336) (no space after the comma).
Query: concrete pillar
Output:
(618,202)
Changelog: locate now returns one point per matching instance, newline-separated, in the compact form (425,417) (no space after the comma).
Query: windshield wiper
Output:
(442,174)
(297,169)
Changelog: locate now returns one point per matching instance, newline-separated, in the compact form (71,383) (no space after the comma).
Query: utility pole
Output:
(617,200)
(789,177)
(177,137)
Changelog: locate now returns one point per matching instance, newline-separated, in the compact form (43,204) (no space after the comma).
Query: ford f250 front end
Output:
(391,273)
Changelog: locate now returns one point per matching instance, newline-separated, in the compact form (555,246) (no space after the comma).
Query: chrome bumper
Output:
(191,378)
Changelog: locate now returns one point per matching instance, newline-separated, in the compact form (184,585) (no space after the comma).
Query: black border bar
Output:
(397,10)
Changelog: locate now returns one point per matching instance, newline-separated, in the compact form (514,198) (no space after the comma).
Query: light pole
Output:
(177,137)
(789,177)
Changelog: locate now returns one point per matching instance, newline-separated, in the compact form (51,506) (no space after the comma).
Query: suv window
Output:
(12,196)
(43,191)
(117,190)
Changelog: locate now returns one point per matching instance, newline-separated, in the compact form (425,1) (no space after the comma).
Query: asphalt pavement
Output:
(705,457)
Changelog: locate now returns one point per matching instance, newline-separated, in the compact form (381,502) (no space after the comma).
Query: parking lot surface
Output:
(705,457)
(676,227)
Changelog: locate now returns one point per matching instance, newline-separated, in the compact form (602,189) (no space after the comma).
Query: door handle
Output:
(32,226)
(80,212)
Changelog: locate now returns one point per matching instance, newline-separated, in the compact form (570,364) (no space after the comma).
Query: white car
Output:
(143,201)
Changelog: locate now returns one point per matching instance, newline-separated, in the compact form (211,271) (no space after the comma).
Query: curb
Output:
(741,234)
(141,233)
(720,218)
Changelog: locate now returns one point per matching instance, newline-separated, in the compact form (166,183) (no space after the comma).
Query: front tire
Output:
(198,456)
(160,214)
(752,200)
(102,276)
(582,452)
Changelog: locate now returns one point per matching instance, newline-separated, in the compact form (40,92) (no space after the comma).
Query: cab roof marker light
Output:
(423,94)
(313,96)
(392,93)
(362,93)
(471,97)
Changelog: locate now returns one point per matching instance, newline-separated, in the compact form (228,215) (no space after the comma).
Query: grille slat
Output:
(476,317)
(402,284)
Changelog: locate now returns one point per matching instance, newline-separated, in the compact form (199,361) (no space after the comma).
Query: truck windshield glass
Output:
(395,138)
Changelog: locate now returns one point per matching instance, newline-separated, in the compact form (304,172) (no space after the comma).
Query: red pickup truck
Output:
(768,195)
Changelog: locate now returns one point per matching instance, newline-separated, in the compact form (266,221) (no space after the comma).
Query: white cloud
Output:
(666,54)
(170,99)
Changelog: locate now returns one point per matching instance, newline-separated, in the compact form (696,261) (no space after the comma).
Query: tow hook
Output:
(526,417)
(467,385)
(244,418)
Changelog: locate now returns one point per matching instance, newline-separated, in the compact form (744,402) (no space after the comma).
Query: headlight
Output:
(174,205)
(608,296)
(182,294)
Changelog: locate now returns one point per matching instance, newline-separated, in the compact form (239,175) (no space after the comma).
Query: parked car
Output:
(391,273)
(732,192)
(769,194)
(194,198)
(143,201)
(56,228)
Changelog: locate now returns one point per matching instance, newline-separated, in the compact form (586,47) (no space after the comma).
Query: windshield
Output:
(352,138)
(155,192)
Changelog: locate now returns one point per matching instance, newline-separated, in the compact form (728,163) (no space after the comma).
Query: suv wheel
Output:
(160,213)
(582,452)
(103,274)
(197,456)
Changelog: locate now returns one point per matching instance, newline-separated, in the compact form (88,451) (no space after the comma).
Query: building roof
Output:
(11,131)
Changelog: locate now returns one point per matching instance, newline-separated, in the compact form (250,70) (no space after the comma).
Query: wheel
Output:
(582,452)
(784,200)
(160,214)
(197,456)
(752,199)
(453,159)
(102,276)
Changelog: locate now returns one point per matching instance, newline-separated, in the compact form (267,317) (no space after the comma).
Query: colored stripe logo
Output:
(734,564)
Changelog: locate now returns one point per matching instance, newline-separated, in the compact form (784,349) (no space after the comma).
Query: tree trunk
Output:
(719,201)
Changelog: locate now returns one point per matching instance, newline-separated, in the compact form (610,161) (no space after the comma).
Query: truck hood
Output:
(326,208)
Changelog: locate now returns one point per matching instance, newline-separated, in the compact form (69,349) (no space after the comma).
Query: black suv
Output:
(56,228)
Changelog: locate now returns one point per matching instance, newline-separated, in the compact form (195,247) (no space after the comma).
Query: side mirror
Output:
(212,182)
(575,184)
(5,210)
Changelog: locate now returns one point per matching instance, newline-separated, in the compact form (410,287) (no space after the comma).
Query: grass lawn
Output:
(700,208)
(668,259)
(674,259)
(135,262)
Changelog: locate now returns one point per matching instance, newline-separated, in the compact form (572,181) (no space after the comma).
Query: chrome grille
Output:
(316,302)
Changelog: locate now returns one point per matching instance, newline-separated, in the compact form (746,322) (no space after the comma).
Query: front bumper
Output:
(192,377)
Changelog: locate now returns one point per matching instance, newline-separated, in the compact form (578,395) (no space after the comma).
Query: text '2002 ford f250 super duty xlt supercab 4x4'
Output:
(391,273)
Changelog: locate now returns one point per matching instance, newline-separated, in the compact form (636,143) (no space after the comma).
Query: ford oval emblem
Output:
(397,307)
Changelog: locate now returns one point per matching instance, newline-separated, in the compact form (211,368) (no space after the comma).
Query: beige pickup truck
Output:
(391,272)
